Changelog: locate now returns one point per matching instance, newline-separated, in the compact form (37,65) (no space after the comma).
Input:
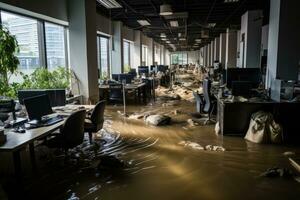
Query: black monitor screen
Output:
(143,70)
(252,75)
(126,77)
(115,77)
(38,106)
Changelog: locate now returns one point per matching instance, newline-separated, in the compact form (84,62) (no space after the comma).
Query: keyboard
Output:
(52,121)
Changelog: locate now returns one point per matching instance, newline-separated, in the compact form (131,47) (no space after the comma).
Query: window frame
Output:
(179,55)
(129,53)
(99,35)
(42,37)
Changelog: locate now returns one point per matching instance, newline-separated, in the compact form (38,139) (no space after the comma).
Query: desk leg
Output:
(17,165)
(139,94)
(144,94)
(32,157)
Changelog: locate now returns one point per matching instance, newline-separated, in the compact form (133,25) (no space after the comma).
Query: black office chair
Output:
(7,106)
(71,134)
(210,102)
(95,121)
(116,93)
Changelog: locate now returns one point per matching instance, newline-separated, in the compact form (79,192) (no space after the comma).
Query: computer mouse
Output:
(7,125)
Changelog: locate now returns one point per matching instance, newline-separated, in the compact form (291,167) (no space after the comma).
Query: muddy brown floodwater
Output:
(137,161)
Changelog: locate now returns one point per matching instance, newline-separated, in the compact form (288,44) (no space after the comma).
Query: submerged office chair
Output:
(199,103)
(71,134)
(210,103)
(116,93)
(94,123)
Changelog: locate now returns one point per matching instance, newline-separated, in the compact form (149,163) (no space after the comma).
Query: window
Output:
(103,56)
(157,55)
(179,58)
(144,55)
(26,32)
(41,44)
(55,46)
(126,56)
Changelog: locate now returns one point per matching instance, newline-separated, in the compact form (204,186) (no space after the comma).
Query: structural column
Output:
(83,48)
(217,49)
(137,50)
(283,45)
(222,55)
(251,39)
(117,48)
(231,47)
(212,52)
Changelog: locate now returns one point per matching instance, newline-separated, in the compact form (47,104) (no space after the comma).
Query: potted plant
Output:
(8,60)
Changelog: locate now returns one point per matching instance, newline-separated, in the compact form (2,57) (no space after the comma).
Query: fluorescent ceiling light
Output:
(143,22)
(174,23)
(110,4)
(163,39)
(168,42)
(182,39)
(198,40)
(230,1)
(163,35)
(211,25)
(165,10)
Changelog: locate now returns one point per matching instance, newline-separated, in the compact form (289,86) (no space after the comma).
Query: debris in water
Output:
(192,145)
(157,120)
(214,148)
(289,153)
(192,123)
(277,172)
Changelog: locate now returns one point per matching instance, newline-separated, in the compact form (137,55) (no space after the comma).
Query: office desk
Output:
(137,87)
(16,141)
(234,117)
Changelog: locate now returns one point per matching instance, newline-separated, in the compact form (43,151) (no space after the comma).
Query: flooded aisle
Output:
(132,160)
(157,165)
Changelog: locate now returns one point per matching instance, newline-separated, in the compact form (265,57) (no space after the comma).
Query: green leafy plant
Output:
(42,78)
(8,60)
(127,68)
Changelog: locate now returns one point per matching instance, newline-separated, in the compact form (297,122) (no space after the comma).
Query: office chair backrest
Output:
(207,96)
(97,116)
(73,129)
(116,91)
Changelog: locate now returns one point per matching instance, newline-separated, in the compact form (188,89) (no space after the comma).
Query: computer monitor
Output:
(153,68)
(162,68)
(115,77)
(143,70)
(57,96)
(37,107)
(132,72)
(127,77)
(252,75)
(241,88)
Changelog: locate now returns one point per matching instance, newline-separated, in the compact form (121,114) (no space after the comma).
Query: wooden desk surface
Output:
(127,86)
(15,141)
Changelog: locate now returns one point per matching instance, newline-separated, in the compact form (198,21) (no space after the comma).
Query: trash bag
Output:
(157,120)
(263,129)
